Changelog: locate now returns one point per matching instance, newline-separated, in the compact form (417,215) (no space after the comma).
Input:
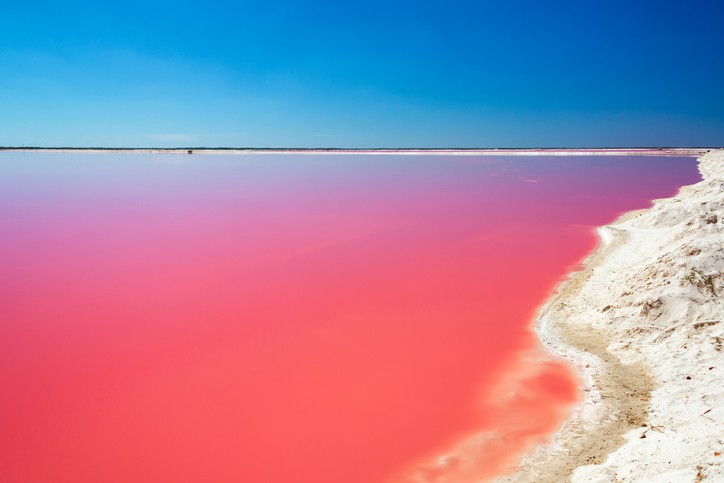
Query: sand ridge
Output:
(644,324)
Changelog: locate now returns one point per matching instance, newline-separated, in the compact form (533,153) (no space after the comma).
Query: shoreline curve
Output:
(643,324)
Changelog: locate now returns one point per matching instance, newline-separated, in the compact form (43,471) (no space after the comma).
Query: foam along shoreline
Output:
(643,323)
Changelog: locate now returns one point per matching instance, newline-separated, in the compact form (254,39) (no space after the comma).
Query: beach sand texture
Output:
(644,324)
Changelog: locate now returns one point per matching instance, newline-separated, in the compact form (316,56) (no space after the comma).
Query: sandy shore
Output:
(644,324)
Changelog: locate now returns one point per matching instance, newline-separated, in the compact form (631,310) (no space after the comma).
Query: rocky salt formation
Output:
(644,323)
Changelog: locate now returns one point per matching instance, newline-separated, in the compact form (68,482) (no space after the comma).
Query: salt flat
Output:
(644,324)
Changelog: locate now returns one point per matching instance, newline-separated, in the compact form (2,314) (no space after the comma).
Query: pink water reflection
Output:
(279,318)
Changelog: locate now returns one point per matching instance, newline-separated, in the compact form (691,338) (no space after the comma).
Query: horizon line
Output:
(346,149)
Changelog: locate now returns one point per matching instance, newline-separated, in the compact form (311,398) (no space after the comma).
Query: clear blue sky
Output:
(502,73)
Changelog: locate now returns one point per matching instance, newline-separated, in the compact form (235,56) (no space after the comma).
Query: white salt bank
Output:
(644,323)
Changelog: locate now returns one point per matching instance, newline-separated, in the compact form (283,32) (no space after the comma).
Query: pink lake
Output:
(282,318)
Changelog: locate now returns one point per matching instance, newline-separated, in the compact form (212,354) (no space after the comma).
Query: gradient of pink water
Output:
(286,318)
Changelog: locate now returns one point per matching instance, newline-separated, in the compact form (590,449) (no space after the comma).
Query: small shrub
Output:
(703,282)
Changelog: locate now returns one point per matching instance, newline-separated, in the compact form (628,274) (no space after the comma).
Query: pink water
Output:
(289,318)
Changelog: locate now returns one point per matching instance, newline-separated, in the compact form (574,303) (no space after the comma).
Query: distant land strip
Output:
(659,151)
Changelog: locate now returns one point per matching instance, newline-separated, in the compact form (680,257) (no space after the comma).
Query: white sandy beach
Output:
(644,324)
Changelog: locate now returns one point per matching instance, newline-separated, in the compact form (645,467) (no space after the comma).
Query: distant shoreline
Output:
(670,151)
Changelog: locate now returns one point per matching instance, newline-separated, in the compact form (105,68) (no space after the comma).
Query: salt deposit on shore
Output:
(644,323)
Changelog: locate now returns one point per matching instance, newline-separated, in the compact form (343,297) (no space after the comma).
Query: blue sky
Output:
(373,74)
